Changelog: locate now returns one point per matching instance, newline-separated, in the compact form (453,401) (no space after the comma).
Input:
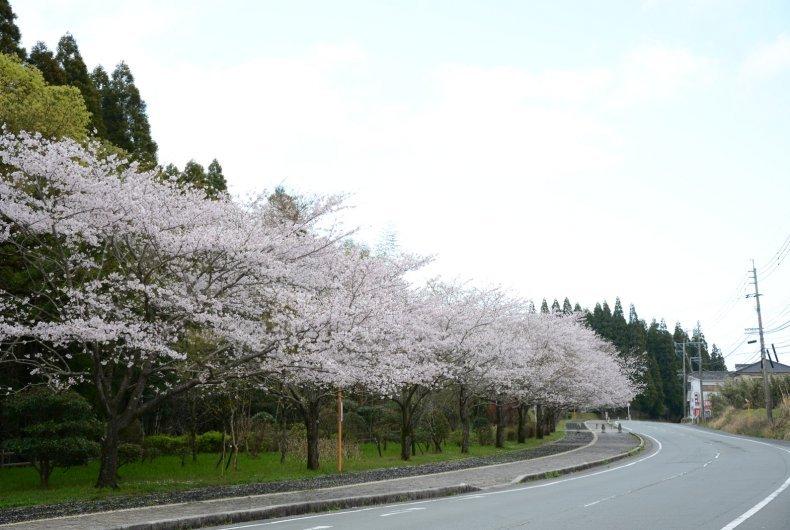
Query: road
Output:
(690,478)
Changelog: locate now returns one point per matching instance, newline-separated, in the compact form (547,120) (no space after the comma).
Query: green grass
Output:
(19,485)
(583,416)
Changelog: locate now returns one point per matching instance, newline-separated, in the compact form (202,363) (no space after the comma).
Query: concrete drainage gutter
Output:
(587,465)
(286,510)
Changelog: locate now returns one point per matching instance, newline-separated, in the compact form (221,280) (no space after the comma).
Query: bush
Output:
(51,430)
(455,438)
(129,453)
(485,434)
(165,444)
(209,442)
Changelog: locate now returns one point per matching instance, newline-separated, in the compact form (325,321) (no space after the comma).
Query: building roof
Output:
(756,368)
(711,375)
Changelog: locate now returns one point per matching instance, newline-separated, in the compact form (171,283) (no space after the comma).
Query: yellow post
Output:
(340,430)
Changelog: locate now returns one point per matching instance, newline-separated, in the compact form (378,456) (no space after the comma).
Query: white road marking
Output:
(463,497)
(760,505)
(407,510)
(319,527)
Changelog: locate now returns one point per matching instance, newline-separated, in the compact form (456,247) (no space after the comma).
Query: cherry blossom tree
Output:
(144,289)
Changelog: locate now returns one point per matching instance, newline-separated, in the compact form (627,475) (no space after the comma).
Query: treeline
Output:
(662,394)
(106,106)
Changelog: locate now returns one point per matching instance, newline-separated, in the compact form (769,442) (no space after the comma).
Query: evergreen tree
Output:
(194,174)
(9,32)
(544,307)
(555,307)
(125,114)
(698,336)
(577,308)
(70,60)
(216,180)
(48,65)
(660,347)
(619,332)
(717,359)
(567,309)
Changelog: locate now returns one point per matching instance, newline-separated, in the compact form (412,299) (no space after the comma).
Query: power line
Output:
(776,260)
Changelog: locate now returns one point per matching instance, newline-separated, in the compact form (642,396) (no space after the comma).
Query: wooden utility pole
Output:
(763,351)
(340,430)
(701,386)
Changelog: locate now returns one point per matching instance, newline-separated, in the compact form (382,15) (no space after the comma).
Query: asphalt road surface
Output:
(690,478)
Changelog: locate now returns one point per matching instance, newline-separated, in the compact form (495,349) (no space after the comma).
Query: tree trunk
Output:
(44,470)
(311,423)
(522,432)
(500,424)
(463,413)
(108,466)
(405,433)
(539,421)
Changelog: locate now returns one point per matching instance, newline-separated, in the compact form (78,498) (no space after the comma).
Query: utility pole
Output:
(701,386)
(680,349)
(763,351)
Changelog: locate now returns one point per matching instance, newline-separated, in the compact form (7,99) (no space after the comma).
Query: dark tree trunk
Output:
(413,443)
(539,421)
(44,471)
(463,413)
(108,462)
(311,423)
(521,433)
(500,424)
(405,434)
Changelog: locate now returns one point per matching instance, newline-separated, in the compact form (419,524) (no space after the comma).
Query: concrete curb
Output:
(587,465)
(285,510)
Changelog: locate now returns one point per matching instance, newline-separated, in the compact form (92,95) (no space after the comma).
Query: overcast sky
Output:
(580,149)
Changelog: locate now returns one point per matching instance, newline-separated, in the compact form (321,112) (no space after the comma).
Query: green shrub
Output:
(485,434)
(129,453)
(209,442)
(166,444)
(50,430)
(455,438)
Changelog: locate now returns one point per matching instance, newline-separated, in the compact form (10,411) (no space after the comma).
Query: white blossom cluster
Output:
(131,274)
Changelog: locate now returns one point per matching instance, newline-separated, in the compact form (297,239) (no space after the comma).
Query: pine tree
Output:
(567,309)
(9,32)
(126,118)
(48,65)
(71,61)
(544,307)
(717,359)
(216,180)
(555,307)
(577,308)
(618,332)
(194,174)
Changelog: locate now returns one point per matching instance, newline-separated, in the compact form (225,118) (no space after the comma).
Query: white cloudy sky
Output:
(580,149)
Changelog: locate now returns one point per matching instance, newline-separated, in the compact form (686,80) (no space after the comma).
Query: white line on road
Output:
(407,510)
(760,505)
(445,499)
(319,527)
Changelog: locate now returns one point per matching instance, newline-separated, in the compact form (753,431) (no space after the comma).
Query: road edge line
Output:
(286,510)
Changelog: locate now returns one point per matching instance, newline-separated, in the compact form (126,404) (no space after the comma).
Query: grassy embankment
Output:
(753,422)
(19,485)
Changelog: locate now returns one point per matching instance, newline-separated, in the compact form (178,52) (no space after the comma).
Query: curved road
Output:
(690,478)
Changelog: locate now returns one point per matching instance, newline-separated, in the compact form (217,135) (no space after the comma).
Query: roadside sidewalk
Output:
(604,447)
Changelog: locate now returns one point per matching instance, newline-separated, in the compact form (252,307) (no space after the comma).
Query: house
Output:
(711,381)
(756,369)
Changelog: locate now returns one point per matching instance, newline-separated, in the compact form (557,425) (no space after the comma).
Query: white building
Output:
(711,381)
